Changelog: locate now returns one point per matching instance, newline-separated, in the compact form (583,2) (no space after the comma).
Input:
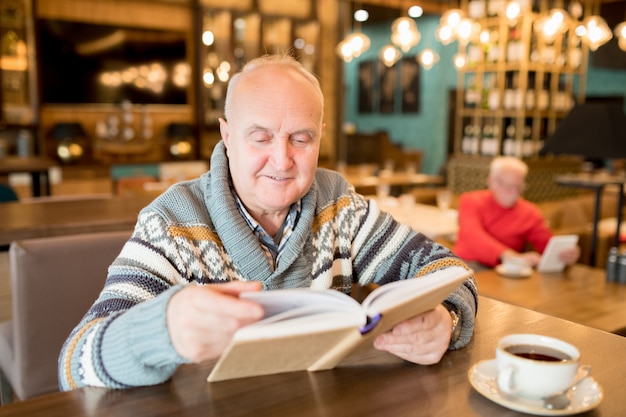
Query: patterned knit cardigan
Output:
(194,233)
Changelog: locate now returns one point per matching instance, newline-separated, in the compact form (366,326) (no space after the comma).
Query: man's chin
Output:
(508,204)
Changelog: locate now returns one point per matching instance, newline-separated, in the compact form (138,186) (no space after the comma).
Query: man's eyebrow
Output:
(254,126)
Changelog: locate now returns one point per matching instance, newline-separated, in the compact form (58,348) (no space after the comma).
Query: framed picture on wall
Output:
(366,86)
(410,85)
(388,86)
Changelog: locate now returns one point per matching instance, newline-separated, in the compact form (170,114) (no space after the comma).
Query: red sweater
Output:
(486,229)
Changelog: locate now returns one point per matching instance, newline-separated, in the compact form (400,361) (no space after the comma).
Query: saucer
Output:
(483,377)
(524,273)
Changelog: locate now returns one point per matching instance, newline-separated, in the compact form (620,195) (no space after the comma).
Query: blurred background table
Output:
(423,218)
(37,167)
(580,293)
(32,219)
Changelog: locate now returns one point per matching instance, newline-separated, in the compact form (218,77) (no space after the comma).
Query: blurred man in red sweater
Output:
(497,223)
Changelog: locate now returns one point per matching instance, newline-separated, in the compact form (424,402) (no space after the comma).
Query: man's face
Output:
(507,186)
(273,139)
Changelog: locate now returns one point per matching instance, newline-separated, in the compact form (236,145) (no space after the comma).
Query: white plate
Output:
(524,273)
(483,377)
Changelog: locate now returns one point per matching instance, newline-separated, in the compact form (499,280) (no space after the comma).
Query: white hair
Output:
(507,163)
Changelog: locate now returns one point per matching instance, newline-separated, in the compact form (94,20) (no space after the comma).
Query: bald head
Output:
(274,68)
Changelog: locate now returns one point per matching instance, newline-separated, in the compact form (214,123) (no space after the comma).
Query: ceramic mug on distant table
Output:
(535,366)
(443,199)
(514,265)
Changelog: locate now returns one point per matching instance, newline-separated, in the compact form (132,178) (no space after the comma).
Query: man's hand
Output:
(201,320)
(422,339)
(570,255)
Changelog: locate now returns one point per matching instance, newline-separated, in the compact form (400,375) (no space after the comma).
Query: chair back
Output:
(54,282)
(7,194)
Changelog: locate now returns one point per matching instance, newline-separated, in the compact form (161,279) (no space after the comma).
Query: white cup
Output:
(514,265)
(535,366)
(443,199)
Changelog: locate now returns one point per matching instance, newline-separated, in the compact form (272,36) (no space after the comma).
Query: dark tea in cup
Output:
(538,353)
(535,366)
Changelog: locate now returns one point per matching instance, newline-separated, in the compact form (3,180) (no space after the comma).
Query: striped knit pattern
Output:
(193,233)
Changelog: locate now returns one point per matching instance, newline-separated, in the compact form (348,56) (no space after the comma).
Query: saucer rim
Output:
(512,403)
(525,273)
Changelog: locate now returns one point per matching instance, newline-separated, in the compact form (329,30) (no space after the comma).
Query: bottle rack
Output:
(516,87)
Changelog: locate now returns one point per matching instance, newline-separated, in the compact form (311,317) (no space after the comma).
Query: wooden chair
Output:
(54,281)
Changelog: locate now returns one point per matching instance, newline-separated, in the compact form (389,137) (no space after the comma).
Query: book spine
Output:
(342,349)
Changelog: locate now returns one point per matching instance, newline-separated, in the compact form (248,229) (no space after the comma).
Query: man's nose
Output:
(282,154)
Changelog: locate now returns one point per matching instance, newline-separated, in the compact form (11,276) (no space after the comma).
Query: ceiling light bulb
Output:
(427,58)
(513,10)
(452,17)
(389,54)
(459,61)
(361,15)
(405,34)
(597,32)
(416,11)
(444,34)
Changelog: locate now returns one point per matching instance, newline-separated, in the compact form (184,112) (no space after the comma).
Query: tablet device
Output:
(550,261)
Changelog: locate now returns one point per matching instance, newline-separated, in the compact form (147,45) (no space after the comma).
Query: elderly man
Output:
(498,223)
(264,217)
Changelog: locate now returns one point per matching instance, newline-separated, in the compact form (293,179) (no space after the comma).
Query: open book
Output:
(315,329)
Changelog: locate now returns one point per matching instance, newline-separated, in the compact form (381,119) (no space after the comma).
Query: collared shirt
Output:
(271,246)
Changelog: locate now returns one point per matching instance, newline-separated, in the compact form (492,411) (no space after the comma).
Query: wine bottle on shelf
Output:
(543,96)
(518,94)
(485,139)
(475,148)
(467,141)
(530,92)
(492,93)
(515,47)
(508,145)
(472,95)
(508,101)
(527,146)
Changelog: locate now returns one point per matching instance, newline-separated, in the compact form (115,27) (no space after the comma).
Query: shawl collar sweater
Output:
(193,233)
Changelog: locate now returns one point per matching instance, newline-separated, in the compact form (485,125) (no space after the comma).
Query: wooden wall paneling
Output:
(119,12)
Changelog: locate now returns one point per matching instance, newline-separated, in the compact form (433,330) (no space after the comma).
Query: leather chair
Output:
(54,281)
(7,194)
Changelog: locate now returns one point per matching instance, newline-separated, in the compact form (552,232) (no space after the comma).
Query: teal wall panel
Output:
(427,130)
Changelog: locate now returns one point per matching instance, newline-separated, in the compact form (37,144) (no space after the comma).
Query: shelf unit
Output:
(18,91)
(515,88)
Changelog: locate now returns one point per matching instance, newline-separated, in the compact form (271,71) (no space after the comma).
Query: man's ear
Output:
(224,132)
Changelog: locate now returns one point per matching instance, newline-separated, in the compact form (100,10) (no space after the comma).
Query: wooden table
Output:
(395,178)
(580,294)
(369,384)
(33,219)
(37,167)
(424,218)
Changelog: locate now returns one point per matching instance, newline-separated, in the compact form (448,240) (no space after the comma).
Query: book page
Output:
(394,293)
(291,299)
